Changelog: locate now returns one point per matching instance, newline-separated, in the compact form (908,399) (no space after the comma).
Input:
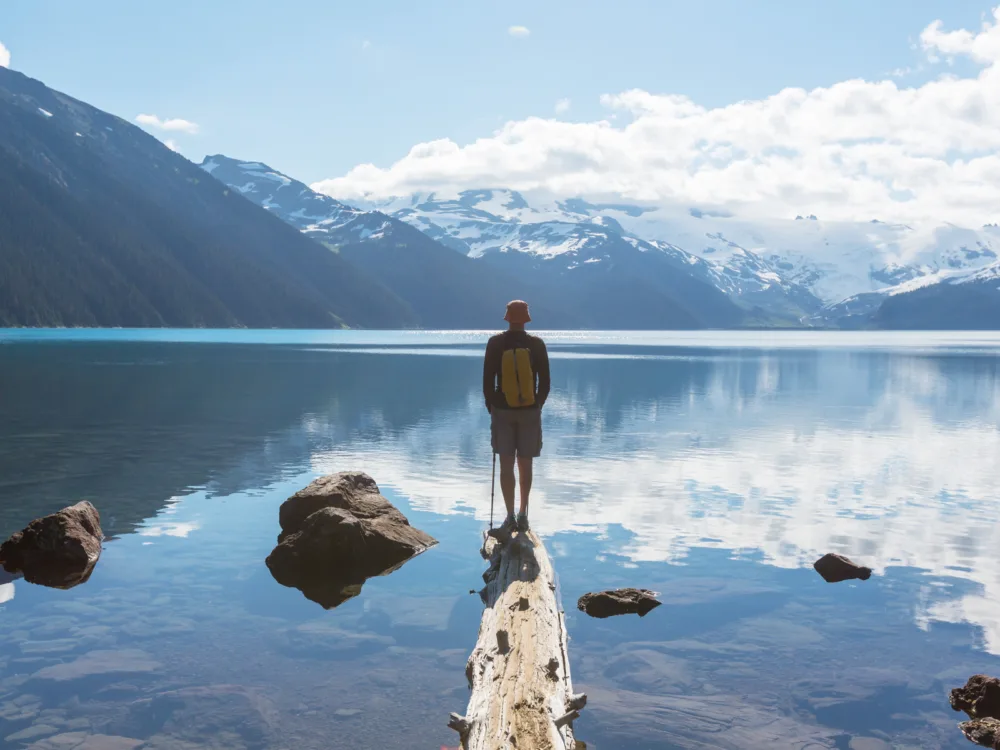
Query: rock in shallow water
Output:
(205,714)
(836,568)
(84,741)
(618,602)
(59,550)
(984,732)
(126,661)
(336,533)
(979,698)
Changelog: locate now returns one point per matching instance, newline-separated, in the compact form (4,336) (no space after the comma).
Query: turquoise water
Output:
(713,468)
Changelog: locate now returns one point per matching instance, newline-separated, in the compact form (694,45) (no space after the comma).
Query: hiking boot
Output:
(509,524)
(522,521)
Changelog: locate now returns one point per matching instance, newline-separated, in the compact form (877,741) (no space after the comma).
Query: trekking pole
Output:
(493,485)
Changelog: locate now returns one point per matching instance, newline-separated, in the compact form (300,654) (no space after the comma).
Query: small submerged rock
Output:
(979,698)
(836,568)
(619,602)
(100,663)
(338,532)
(190,716)
(84,741)
(59,550)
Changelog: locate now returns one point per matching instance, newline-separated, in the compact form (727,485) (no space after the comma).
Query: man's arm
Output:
(489,375)
(544,381)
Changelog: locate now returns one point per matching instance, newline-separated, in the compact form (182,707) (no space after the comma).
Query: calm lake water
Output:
(713,468)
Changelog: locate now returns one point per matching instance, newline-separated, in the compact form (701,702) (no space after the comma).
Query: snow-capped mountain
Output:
(488,223)
(960,282)
(444,288)
(667,268)
(565,265)
(781,266)
(312,213)
(952,299)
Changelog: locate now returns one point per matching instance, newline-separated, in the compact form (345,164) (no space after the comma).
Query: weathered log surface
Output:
(522,694)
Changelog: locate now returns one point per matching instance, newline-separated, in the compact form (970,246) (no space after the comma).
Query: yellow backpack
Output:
(517,378)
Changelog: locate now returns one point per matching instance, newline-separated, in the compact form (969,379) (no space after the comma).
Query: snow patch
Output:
(45,112)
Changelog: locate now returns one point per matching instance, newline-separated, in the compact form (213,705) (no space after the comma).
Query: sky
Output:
(772,109)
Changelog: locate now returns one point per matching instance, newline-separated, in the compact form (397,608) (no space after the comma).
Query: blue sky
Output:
(316,87)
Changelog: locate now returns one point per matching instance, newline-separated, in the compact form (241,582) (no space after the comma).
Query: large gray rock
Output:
(336,533)
(59,550)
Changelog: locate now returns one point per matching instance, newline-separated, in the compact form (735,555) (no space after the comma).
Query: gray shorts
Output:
(516,431)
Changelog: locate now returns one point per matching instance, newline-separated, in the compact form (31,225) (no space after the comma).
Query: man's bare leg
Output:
(507,482)
(524,472)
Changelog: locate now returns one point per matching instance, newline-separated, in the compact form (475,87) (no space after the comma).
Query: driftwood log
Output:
(522,695)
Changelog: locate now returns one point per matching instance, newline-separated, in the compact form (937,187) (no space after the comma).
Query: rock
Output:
(98,663)
(338,532)
(618,602)
(980,698)
(868,743)
(22,708)
(984,732)
(323,640)
(34,732)
(194,714)
(836,568)
(59,550)
(83,741)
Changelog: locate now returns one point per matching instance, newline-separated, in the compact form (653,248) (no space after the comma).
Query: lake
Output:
(714,468)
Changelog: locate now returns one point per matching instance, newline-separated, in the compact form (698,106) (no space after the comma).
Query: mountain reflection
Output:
(890,458)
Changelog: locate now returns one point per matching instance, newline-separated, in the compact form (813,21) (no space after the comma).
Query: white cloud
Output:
(171,144)
(854,150)
(4,56)
(519,31)
(983,47)
(173,125)
(179,529)
(562,106)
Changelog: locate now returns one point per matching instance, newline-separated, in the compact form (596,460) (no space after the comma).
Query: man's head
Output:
(517,313)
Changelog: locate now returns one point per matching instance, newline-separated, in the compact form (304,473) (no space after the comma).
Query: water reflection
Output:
(713,475)
(887,459)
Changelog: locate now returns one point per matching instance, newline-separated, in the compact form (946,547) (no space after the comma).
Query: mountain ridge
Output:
(640,289)
(786,267)
(103,225)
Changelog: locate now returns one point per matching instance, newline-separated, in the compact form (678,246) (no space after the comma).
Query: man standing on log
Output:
(515,386)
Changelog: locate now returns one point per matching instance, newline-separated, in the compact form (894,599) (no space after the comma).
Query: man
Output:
(515,386)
